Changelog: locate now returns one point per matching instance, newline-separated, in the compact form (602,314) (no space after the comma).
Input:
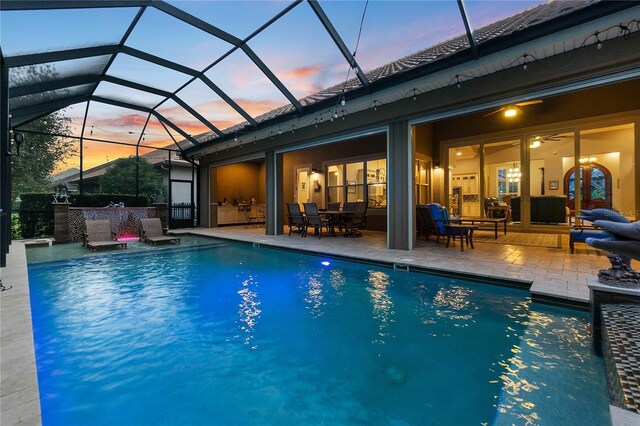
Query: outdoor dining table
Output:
(336,214)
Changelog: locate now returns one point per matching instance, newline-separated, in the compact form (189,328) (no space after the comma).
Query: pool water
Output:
(236,335)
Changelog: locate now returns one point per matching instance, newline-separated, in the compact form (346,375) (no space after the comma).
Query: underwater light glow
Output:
(325,263)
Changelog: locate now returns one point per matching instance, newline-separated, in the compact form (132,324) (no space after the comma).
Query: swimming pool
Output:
(233,334)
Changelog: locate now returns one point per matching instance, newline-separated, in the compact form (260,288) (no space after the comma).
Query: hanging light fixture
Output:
(587,160)
(514,174)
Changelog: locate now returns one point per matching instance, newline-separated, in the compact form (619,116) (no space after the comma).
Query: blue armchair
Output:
(435,217)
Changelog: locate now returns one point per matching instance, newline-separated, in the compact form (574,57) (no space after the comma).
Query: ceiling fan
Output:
(539,140)
(514,109)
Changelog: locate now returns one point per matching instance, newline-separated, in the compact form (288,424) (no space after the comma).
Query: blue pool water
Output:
(236,335)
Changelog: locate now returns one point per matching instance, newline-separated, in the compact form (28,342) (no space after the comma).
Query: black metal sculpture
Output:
(622,240)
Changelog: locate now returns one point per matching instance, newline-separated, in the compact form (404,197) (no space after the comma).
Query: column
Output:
(400,205)
(61,222)
(5,165)
(274,214)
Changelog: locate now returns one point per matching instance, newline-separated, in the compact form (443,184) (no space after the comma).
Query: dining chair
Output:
(296,219)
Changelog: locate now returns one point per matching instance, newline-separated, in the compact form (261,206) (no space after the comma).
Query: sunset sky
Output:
(296,48)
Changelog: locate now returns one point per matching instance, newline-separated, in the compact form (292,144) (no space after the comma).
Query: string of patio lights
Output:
(524,60)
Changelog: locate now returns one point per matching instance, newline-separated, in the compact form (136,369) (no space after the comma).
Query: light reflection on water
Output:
(532,366)
(382,305)
(248,309)
(314,296)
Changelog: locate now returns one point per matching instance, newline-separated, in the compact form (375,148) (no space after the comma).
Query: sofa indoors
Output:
(548,209)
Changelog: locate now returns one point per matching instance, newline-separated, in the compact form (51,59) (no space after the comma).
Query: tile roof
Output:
(521,21)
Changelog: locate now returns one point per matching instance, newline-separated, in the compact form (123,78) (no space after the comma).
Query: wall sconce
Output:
(18,138)
(436,165)
(314,171)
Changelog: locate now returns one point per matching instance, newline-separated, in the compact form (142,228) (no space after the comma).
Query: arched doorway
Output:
(595,181)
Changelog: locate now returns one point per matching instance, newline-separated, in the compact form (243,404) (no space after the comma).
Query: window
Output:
(377,183)
(355,182)
(358,181)
(422,180)
(335,189)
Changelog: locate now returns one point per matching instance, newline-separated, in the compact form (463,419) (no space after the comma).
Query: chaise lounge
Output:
(99,235)
(152,232)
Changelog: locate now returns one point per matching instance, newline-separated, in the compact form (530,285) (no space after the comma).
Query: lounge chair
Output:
(152,232)
(99,235)
(296,220)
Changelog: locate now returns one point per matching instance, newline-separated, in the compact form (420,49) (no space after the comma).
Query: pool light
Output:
(325,263)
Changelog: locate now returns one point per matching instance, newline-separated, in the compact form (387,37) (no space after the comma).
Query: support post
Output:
(81,182)
(5,165)
(400,204)
(169,202)
(61,222)
(138,175)
(274,216)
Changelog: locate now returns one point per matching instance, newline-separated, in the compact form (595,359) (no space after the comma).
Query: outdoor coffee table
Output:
(491,220)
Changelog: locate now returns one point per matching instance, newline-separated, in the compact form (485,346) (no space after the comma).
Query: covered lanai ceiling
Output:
(208,72)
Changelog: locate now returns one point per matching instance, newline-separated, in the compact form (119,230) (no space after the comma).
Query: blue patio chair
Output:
(436,219)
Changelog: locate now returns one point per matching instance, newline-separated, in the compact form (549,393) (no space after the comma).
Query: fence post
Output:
(61,222)
(161,213)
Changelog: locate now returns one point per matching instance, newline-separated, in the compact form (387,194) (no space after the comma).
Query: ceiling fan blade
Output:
(493,112)
(536,101)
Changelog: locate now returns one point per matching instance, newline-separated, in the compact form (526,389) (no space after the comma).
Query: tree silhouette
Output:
(121,179)
(40,154)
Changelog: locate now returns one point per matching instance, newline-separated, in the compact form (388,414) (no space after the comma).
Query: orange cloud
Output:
(302,72)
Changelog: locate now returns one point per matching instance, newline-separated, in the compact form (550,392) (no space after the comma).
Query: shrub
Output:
(15,226)
(35,215)
(103,200)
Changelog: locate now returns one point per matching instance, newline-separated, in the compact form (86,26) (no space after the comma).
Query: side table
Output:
(464,232)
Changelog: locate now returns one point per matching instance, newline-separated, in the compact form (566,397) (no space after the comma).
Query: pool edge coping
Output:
(19,394)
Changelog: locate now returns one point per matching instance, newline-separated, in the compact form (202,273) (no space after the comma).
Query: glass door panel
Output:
(551,161)
(608,169)
(502,179)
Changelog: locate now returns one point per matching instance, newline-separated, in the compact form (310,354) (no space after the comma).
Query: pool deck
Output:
(550,271)
(554,274)
(19,396)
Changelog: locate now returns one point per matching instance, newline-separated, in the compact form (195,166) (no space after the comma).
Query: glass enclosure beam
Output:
(148,110)
(326,22)
(168,95)
(45,86)
(33,112)
(223,35)
(123,40)
(467,26)
(60,55)
(70,4)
